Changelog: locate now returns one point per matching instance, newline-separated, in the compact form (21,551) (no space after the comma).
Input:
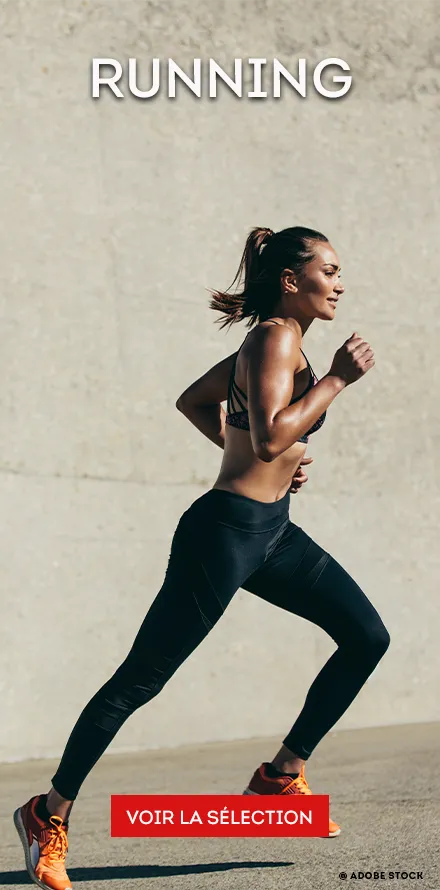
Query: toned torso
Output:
(242,471)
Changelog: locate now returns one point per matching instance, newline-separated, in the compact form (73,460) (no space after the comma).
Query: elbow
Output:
(266,452)
(187,405)
(182,404)
(264,443)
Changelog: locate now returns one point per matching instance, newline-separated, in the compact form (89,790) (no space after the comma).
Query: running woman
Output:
(238,534)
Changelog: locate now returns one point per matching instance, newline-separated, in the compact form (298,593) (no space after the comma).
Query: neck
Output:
(299,324)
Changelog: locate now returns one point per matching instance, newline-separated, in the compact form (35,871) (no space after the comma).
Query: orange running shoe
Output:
(45,847)
(261,783)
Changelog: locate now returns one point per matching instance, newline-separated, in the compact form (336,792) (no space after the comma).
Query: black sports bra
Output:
(240,417)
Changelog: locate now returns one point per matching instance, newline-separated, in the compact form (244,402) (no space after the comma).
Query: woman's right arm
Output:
(201,402)
(273,360)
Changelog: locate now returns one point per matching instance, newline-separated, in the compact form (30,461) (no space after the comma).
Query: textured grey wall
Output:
(116,215)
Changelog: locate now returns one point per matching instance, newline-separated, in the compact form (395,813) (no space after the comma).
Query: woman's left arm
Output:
(201,402)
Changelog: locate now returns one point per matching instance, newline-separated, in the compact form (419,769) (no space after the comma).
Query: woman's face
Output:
(316,291)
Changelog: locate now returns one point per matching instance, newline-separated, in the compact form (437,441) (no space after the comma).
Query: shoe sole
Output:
(18,822)
(330,834)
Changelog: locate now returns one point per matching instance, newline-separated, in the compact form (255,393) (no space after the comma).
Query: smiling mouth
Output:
(332,300)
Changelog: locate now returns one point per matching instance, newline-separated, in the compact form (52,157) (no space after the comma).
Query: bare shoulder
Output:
(268,340)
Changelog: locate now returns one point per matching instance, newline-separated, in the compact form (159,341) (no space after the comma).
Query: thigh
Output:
(208,563)
(302,578)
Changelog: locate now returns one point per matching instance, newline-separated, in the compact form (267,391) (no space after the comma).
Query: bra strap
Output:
(233,387)
(231,380)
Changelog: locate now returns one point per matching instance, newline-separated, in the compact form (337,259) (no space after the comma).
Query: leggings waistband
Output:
(239,510)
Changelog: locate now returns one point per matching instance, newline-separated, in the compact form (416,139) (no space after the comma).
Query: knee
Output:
(368,644)
(381,640)
(375,642)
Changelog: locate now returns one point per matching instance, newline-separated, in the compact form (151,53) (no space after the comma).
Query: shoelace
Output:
(302,785)
(55,848)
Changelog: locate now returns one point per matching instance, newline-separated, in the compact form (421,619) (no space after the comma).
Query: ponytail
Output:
(250,275)
(265,255)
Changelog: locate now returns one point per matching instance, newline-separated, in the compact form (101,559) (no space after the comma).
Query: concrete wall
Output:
(116,215)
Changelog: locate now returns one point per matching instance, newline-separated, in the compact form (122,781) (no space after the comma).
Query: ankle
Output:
(287,761)
(289,766)
(58,806)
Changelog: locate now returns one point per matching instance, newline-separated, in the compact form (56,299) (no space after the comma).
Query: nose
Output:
(339,287)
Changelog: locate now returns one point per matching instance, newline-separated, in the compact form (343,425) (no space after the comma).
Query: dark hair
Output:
(265,255)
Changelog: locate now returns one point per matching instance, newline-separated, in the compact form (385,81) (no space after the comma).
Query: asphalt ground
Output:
(384,787)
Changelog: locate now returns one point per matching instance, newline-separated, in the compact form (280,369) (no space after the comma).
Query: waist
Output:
(241,511)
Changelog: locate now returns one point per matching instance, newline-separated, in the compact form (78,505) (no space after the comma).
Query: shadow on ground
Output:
(119,872)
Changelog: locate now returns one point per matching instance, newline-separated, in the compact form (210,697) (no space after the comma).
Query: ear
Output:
(288,282)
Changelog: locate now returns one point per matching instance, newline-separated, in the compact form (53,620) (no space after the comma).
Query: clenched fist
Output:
(352,360)
(300,477)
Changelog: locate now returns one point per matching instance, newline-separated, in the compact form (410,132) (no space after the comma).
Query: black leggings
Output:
(222,542)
